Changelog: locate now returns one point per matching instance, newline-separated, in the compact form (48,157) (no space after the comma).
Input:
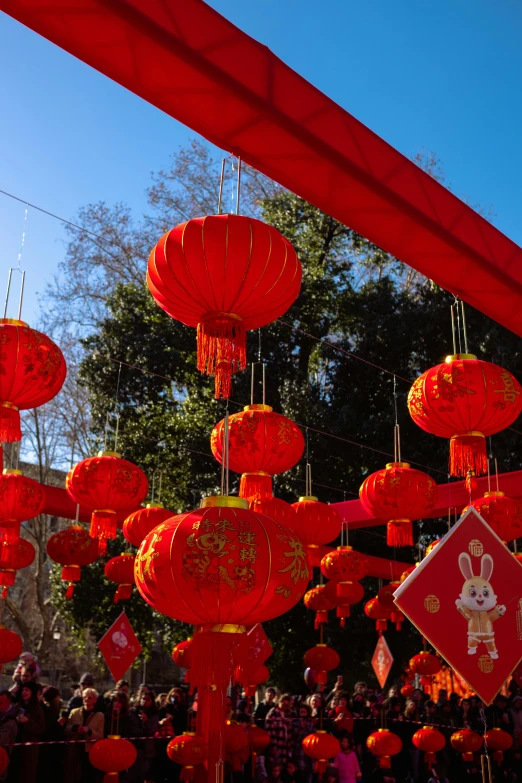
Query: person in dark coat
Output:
(51,759)
(31,727)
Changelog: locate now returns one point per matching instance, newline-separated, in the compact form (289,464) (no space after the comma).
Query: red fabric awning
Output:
(192,63)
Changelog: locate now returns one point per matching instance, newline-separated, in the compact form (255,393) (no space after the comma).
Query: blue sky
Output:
(443,76)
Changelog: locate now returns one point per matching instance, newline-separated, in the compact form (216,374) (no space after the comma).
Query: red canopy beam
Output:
(195,65)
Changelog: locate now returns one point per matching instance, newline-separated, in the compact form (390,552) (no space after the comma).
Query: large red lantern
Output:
(73,549)
(224,274)
(429,740)
(376,611)
(465,399)
(425,664)
(344,566)
(106,484)
(120,569)
(466,742)
(317,524)
(321,747)
(188,750)
(112,755)
(141,522)
(32,372)
(261,443)
(498,741)
(14,557)
(397,495)
(316,600)
(10,646)
(277,509)
(503,514)
(384,744)
(21,499)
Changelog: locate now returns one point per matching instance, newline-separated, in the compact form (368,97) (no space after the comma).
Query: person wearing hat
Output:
(86,681)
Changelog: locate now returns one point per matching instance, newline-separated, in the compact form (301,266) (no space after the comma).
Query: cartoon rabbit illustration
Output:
(478,604)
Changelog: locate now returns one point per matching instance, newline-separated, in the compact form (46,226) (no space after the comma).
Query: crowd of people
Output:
(30,712)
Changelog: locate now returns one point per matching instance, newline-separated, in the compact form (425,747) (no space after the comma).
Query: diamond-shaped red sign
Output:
(120,646)
(382,661)
(259,647)
(465,597)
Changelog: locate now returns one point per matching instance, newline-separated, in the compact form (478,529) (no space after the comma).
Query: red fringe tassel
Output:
(103,524)
(221,350)
(385,762)
(9,423)
(255,486)
(468,453)
(399,532)
(187,774)
(123,593)
(10,534)
(7,577)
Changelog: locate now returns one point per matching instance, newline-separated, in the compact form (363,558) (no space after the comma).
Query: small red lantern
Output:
(466,742)
(498,741)
(352,593)
(384,744)
(21,499)
(261,443)
(503,514)
(4,760)
(321,747)
(181,654)
(316,600)
(322,659)
(398,495)
(236,745)
(224,274)
(14,557)
(431,547)
(385,594)
(10,646)
(407,691)
(425,664)
(376,611)
(251,675)
(317,523)
(465,399)
(120,569)
(32,372)
(405,574)
(259,740)
(143,521)
(276,509)
(106,484)
(72,548)
(188,750)
(112,755)
(344,565)
(431,741)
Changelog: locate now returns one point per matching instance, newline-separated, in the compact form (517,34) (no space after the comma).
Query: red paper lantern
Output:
(32,372)
(351,593)
(407,691)
(385,594)
(261,443)
(188,750)
(503,514)
(316,523)
(498,741)
(72,548)
(384,744)
(14,557)
(376,611)
(10,646)
(466,742)
(21,499)
(181,653)
(398,494)
(429,740)
(4,760)
(143,521)
(429,549)
(465,399)
(236,745)
(106,484)
(321,747)
(425,664)
(259,740)
(251,675)
(342,566)
(277,509)
(112,755)
(120,569)
(405,574)
(224,274)
(316,600)
(321,659)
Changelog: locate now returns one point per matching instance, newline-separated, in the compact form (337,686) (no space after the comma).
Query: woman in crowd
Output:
(86,725)
(347,763)
(31,727)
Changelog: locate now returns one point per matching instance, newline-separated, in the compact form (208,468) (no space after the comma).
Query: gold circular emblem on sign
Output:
(476,548)
(432,604)
(485,664)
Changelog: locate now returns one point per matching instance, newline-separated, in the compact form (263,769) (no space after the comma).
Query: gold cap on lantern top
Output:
(224,501)
(455,357)
(496,494)
(11,472)
(308,497)
(258,407)
(109,454)
(397,465)
(154,505)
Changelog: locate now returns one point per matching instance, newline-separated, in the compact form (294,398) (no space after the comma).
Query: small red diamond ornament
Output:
(465,598)
(382,661)
(120,646)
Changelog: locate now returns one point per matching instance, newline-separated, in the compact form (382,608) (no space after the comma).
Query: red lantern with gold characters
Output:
(32,372)
(10,646)
(105,485)
(343,566)
(467,742)
(503,514)
(498,741)
(112,755)
(376,611)
(261,443)
(317,524)
(143,521)
(321,747)
(21,499)
(384,744)
(465,399)
(120,569)
(188,750)
(397,495)
(73,549)
(224,274)
(429,740)
(316,600)
(14,557)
